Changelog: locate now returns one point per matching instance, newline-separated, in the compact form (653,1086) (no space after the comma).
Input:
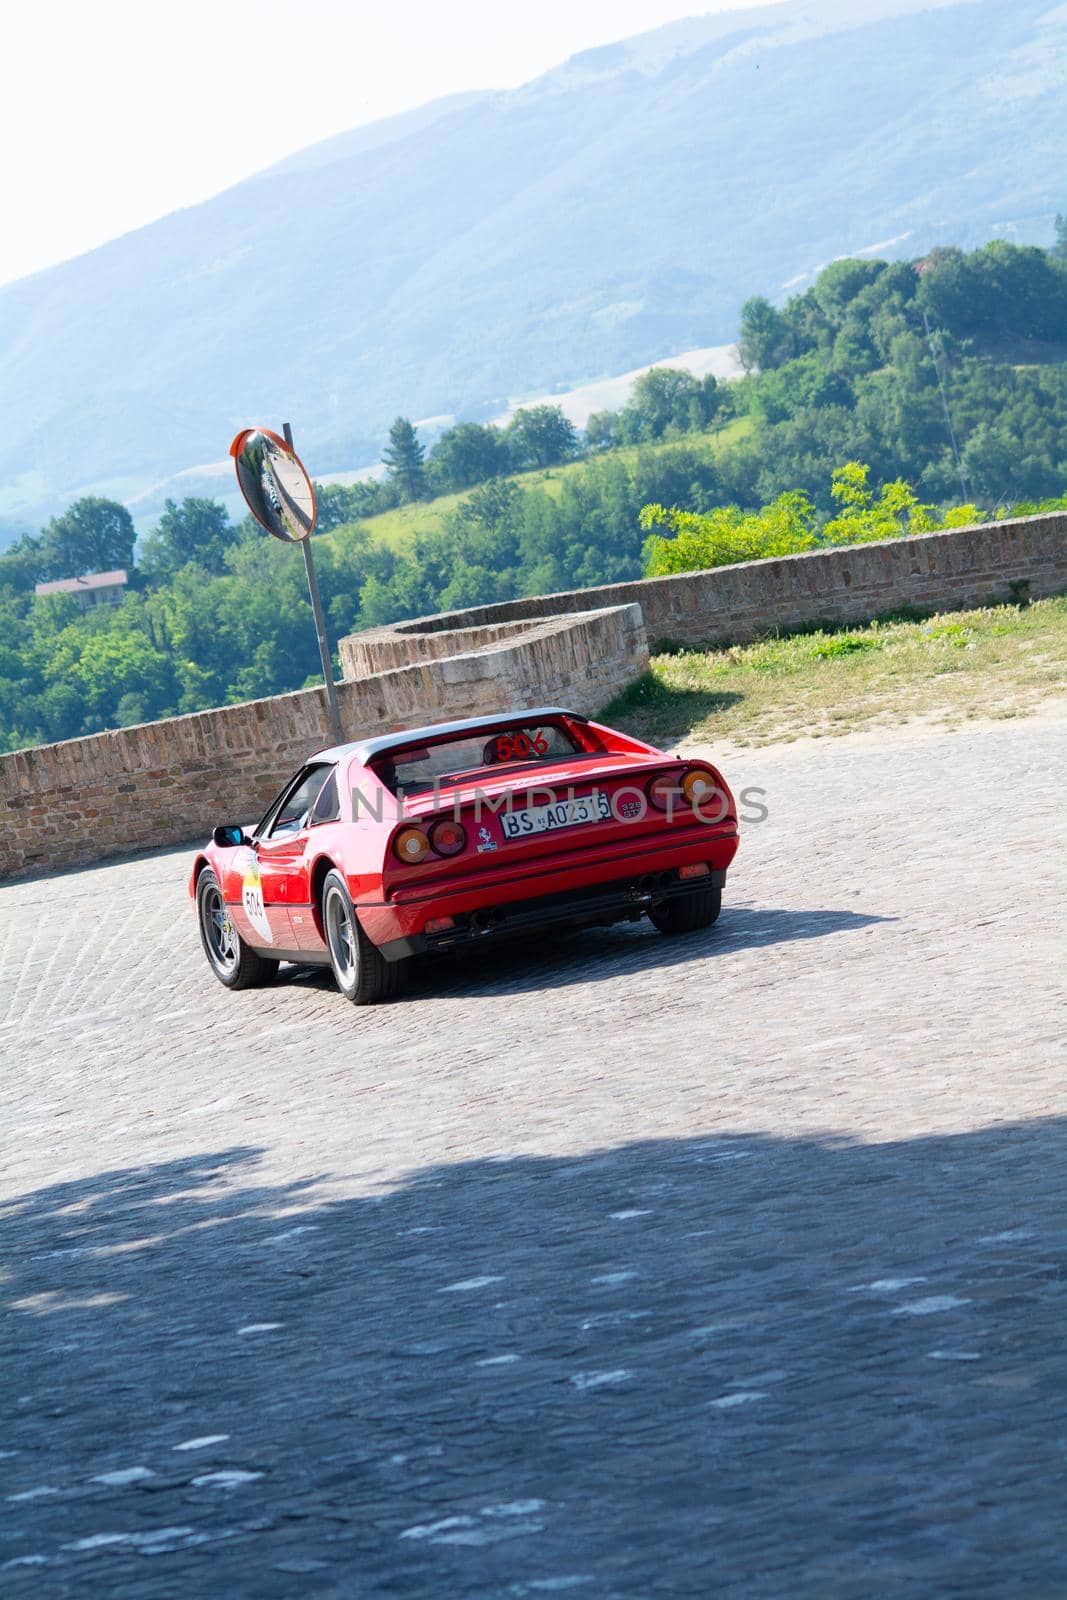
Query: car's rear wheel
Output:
(685,915)
(230,959)
(361,971)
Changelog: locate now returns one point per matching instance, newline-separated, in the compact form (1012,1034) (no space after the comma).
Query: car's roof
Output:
(365,749)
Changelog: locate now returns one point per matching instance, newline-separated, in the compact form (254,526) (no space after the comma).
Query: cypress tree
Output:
(404,460)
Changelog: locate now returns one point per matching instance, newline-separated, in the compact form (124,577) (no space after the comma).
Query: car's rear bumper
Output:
(624,885)
(626,900)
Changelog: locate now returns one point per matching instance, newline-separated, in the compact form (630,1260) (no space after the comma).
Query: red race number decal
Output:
(520,746)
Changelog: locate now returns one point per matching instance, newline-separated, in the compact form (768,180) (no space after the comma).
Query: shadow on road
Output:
(569,956)
(734,1365)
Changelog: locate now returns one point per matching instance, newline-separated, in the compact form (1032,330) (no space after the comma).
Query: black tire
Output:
(360,970)
(230,959)
(685,915)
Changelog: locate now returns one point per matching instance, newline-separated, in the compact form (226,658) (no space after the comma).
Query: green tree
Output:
(404,459)
(863,518)
(1059,249)
(104,661)
(662,398)
(93,535)
(766,339)
(541,436)
(198,530)
(370,496)
(714,400)
(483,529)
(602,430)
(719,538)
(23,564)
(839,284)
(467,454)
(336,505)
(801,385)
(1001,292)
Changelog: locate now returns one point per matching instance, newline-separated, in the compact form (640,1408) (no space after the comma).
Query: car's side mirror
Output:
(227,835)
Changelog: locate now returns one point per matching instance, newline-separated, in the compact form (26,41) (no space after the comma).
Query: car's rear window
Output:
(451,760)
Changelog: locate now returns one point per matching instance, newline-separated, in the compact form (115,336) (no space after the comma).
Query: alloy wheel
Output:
(219,932)
(342,936)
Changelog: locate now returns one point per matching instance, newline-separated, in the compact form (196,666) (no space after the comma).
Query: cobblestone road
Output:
(731,1265)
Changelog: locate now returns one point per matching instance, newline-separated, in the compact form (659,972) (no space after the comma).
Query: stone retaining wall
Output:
(1026,556)
(402,644)
(166,782)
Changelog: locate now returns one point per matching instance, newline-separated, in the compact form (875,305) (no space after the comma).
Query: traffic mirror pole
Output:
(320,625)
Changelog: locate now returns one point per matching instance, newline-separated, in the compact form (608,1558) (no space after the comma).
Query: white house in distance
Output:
(97,589)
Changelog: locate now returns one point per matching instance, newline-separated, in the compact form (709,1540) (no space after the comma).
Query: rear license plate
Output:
(560,814)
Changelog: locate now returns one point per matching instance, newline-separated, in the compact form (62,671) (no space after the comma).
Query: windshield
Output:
(416,770)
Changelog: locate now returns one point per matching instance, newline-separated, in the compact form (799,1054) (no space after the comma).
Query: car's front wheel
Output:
(230,959)
(361,971)
(685,915)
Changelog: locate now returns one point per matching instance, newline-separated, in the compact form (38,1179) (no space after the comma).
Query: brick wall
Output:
(728,605)
(402,644)
(166,782)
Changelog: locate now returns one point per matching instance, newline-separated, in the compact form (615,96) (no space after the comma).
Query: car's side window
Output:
(327,807)
(296,804)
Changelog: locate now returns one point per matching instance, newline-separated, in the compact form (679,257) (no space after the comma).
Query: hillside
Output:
(837,435)
(611,212)
(397,528)
(216,479)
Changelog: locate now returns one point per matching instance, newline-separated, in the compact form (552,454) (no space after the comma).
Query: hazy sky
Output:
(114,113)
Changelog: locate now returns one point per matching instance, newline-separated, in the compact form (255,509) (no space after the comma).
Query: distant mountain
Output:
(616,209)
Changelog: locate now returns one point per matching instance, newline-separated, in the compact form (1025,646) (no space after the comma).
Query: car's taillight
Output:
(447,837)
(660,790)
(411,846)
(698,785)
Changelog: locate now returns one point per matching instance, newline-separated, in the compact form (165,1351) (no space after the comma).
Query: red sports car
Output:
(454,835)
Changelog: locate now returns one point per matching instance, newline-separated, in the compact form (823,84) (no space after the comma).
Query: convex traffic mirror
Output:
(274,483)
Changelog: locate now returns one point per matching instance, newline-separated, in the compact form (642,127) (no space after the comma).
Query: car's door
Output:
(319,834)
(281,856)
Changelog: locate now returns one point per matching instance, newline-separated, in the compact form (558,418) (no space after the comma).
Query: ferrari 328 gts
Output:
(460,834)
